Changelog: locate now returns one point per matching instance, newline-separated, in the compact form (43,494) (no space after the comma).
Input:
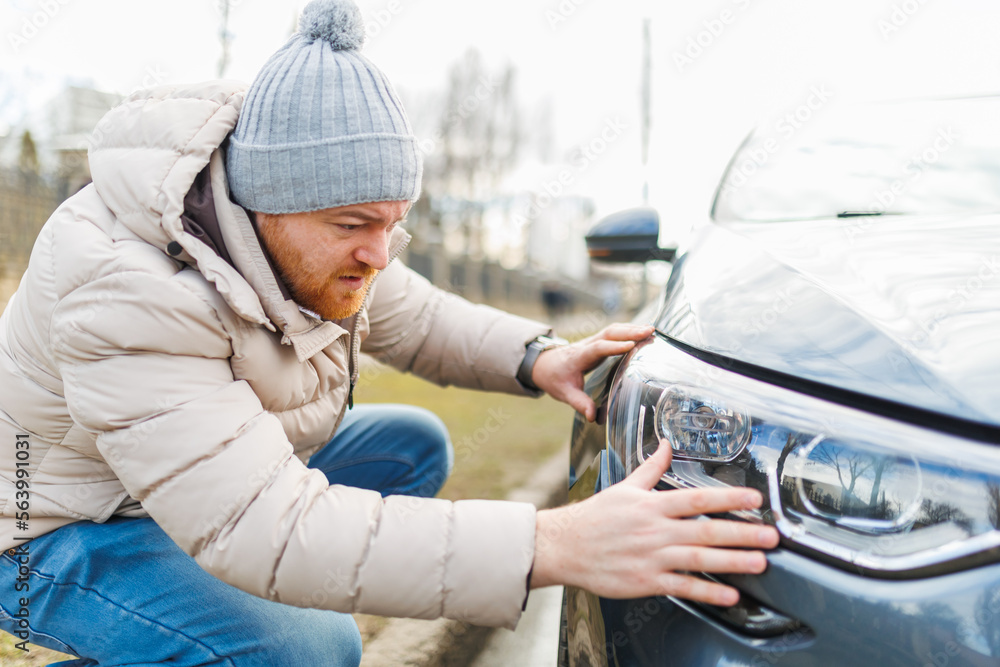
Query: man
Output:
(176,387)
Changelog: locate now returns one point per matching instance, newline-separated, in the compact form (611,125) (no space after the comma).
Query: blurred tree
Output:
(27,160)
(477,140)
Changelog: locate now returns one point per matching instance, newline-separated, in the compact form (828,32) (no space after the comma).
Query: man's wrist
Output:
(533,350)
(544,567)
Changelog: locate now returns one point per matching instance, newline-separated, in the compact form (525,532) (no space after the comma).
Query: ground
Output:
(498,439)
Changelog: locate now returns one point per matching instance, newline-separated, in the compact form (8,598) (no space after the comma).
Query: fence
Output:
(26,202)
(520,290)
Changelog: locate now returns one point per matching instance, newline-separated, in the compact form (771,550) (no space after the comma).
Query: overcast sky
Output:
(718,66)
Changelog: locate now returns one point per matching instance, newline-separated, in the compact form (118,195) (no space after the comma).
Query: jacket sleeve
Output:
(145,368)
(419,328)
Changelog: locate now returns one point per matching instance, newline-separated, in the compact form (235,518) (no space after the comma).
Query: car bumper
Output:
(843,619)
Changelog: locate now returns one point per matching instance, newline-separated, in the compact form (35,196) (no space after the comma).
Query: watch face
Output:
(546,342)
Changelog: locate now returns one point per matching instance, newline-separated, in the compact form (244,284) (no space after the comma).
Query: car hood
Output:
(901,308)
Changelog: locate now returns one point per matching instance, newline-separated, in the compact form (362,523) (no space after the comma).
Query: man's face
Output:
(329,258)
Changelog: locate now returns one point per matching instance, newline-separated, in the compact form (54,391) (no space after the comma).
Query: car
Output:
(830,336)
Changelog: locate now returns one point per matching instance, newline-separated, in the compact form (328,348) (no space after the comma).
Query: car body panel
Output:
(916,324)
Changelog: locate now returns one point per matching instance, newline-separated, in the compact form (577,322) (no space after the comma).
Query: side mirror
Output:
(628,236)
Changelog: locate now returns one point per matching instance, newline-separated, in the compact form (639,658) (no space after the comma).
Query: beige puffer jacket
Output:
(184,388)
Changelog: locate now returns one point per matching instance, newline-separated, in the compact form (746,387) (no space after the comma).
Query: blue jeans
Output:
(122,593)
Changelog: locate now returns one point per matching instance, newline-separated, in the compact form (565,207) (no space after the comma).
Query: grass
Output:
(8,284)
(36,655)
(499,441)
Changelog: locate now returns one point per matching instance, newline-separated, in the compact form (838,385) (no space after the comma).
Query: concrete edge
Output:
(406,642)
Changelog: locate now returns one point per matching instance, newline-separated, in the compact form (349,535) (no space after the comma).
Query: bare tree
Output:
(854,465)
(935,513)
(481,130)
(993,497)
(879,467)
(479,137)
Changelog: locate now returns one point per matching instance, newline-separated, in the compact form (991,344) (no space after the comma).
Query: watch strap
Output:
(532,350)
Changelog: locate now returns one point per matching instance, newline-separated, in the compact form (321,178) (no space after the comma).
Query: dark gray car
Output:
(830,337)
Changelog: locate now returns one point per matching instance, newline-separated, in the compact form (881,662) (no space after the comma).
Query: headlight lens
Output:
(867,491)
(700,427)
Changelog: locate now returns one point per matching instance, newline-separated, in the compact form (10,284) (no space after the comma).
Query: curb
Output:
(407,642)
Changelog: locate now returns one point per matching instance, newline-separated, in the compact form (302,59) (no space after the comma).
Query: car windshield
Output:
(927,157)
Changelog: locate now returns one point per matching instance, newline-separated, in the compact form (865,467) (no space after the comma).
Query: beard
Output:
(327,297)
(322,293)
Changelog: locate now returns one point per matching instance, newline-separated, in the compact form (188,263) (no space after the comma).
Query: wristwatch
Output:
(533,349)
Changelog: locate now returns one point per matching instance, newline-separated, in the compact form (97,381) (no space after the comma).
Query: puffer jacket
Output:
(149,376)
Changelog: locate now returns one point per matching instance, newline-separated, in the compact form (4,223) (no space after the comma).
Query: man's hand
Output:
(559,371)
(631,542)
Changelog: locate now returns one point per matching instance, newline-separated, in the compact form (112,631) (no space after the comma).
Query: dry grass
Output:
(8,284)
(36,655)
(499,439)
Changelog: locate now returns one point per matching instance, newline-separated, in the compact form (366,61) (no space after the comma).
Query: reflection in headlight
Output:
(867,491)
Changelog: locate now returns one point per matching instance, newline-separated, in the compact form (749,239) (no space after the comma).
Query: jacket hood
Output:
(901,308)
(146,152)
(145,155)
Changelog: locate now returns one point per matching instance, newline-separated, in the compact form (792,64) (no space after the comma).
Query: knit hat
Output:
(321,126)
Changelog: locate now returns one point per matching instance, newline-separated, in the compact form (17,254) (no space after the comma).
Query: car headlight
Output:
(862,490)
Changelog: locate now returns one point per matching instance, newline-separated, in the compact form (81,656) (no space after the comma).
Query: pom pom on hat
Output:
(338,22)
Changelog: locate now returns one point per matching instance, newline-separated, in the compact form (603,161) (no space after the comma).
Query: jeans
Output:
(122,593)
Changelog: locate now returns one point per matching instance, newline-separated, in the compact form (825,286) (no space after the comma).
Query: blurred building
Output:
(555,236)
(74,114)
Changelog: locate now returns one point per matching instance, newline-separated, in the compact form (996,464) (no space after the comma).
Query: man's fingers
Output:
(720,533)
(693,588)
(596,351)
(720,561)
(649,473)
(622,331)
(692,502)
(582,403)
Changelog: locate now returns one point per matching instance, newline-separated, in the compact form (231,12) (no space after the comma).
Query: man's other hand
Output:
(559,371)
(631,542)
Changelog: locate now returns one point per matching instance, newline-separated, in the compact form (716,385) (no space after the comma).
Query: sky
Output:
(719,68)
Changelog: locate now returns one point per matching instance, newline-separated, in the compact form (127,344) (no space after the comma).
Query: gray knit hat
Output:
(321,126)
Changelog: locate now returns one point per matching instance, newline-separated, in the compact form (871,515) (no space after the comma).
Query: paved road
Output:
(536,640)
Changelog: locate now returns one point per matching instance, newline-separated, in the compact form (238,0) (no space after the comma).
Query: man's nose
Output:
(374,249)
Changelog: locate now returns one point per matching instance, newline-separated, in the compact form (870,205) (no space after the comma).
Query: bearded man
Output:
(184,476)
